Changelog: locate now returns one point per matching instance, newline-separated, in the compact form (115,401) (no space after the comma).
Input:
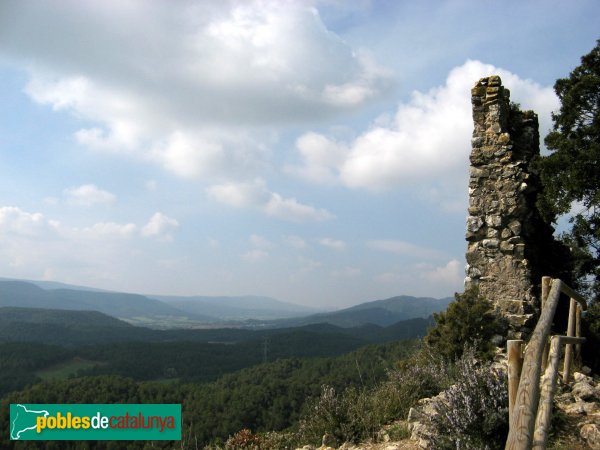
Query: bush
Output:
(278,440)
(423,375)
(348,417)
(243,439)
(473,413)
(358,414)
(469,320)
(398,431)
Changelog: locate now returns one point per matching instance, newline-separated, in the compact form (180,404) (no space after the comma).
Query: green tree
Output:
(571,172)
(469,320)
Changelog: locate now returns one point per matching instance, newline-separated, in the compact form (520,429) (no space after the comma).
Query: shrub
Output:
(348,417)
(469,320)
(242,440)
(278,440)
(423,375)
(473,413)
(358,414)
(398,431)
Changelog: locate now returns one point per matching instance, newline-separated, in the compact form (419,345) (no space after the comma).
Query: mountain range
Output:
(177,311)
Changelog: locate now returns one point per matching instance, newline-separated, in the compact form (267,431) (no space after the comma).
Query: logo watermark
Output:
(150,422)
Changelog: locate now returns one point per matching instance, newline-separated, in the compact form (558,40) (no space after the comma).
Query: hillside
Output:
(14,314)
(42,343)
(379,312)
(61,327)
(128,306)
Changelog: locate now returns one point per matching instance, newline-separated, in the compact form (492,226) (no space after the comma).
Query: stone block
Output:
(591,433)
(492,233)
(515,227)
(584,391)
(493,220)
(491,243)
(474,223)
(504,139)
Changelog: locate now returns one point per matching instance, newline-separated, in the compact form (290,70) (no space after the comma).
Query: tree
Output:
(469,320)
(570,174)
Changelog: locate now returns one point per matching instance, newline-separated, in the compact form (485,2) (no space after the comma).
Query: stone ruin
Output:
(509,246)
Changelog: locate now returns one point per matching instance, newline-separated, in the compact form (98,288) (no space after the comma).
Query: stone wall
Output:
(509,246)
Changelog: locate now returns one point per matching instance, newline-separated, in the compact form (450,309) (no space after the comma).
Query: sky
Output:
(311,151)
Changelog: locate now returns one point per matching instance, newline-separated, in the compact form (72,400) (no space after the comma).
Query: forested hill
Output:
(70,328)
(36,344)
(12,314)
(380,312)
(265,397)
(25,294)
(186,312)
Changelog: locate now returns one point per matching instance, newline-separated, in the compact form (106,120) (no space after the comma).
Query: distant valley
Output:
(165,312)
(200,351)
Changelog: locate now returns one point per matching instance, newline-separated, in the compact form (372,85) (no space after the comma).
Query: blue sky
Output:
(313,151)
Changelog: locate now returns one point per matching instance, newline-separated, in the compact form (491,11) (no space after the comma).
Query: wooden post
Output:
(514,349)
(546,282)
(578,333)
(522,423)
(544,414)
(542,421)
(569,348)
(524,413)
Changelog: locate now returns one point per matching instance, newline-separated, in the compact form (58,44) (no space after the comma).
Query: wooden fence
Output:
(529,410)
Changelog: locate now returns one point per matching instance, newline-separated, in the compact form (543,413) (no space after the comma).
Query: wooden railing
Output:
(529,411)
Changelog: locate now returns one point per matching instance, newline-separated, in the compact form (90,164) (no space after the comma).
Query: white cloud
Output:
(423,278)
(88,195)
(291,210)
(241,195)
(110,229)
(160,225)
(403,248)
(256,195)
(450,275)
(427,139)
(321,158)
(254,256)
(191,82)
(14,220)
(334,244)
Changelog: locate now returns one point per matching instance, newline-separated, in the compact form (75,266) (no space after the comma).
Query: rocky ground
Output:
(386,442)
(576,422)
(578,415)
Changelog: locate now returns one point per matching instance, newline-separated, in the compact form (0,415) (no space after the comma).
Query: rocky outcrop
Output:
(419,418)
(581,402)
(509,246)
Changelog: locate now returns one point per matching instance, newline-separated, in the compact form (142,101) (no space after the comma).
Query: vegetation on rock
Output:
(469,320)
(473,413)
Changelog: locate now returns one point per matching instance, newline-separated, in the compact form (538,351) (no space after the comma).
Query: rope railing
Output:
(529,410)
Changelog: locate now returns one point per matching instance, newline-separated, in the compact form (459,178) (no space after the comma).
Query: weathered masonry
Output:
(509,246)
